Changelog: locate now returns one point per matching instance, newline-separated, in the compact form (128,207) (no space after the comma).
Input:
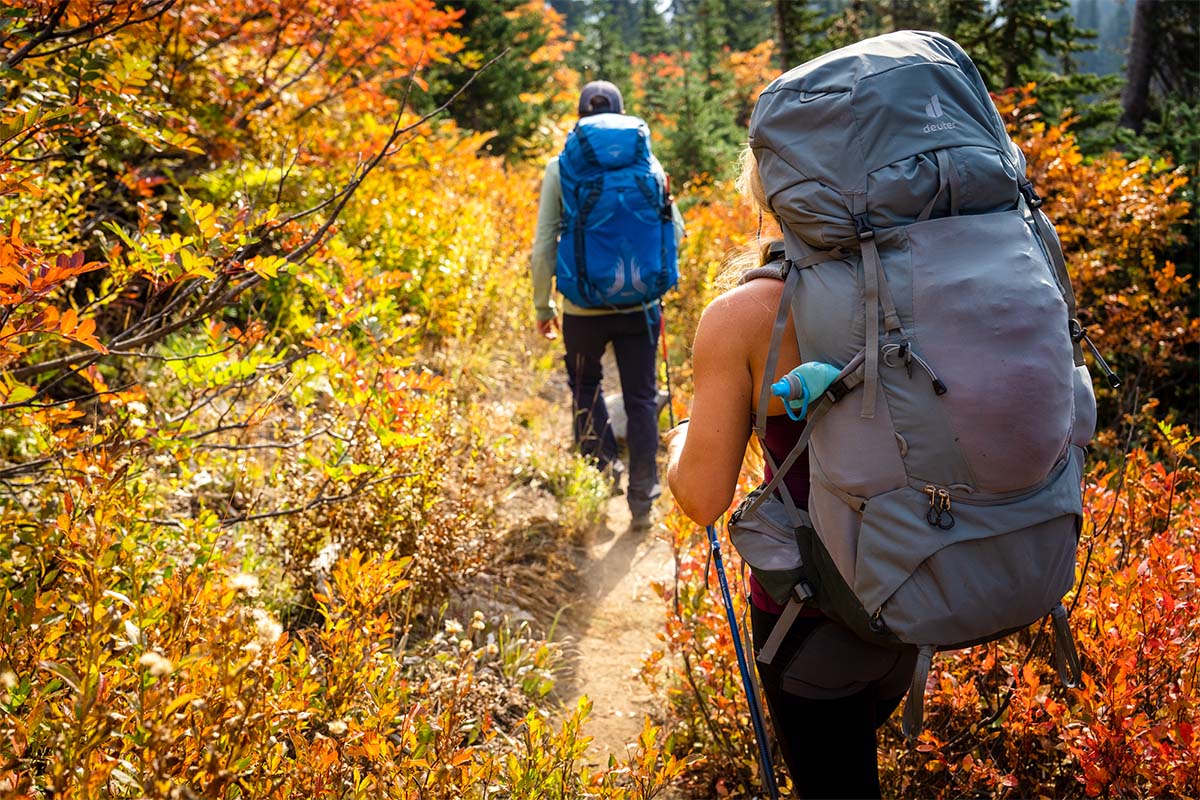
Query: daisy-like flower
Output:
(337,727)
(453,627)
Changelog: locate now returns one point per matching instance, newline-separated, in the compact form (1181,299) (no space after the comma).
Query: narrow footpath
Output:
(619,617)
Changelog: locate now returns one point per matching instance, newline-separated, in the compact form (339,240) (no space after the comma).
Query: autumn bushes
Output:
(249,306)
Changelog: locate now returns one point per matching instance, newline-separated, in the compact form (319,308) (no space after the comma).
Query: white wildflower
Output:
(337,727)
(244,582)
(8,679)
(464,645)
(156,664)
(267,627)
(453,627)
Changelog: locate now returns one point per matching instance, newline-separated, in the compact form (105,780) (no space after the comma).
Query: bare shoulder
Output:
(745,310)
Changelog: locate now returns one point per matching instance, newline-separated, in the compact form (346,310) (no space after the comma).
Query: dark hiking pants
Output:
(634,338)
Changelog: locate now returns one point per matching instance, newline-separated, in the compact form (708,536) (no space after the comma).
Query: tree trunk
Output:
(783,33)
(1139,65)
(1008,46)
(907,15)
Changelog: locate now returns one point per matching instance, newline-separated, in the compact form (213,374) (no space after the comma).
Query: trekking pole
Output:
(756,715)
(662,336)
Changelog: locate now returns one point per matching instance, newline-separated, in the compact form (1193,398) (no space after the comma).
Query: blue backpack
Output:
(616,246)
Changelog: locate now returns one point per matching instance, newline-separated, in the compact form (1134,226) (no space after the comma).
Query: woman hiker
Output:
(827,737)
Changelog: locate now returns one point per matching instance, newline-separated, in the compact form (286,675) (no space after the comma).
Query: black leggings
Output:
(829,745)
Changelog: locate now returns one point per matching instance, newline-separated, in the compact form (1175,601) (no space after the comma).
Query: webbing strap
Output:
(585,144)
(945,165)
(948,179)
(914,706)
(852,500)
(764,393)
(852,376)
(1050,240)
(789,272)
(857,203)
(778,633)
(891,319)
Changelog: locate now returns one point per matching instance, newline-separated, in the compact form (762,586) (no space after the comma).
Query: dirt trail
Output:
(619,616)
(615,616)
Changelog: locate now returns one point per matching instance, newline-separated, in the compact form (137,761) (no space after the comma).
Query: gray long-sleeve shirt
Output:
(545,249)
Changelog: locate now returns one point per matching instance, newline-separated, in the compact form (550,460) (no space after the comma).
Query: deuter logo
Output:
(934,109)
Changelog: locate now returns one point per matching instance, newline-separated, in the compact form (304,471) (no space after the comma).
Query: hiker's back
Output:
(946,485)
(617,245)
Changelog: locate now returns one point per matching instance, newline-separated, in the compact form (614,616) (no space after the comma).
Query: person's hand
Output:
(674,433)
(548,328)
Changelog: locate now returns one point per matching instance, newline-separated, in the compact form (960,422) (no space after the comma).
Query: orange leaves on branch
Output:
(29,280)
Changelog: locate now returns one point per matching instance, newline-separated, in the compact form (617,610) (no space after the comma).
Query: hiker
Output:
(612,265)
(910,364)
(827,739)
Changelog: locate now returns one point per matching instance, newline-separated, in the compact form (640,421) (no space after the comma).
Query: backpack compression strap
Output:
(875,294)
(1050,240)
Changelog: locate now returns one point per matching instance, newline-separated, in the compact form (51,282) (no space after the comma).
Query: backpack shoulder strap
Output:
(788,271)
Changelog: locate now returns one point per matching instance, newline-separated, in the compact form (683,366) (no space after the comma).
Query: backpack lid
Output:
(607,141)
(839,117)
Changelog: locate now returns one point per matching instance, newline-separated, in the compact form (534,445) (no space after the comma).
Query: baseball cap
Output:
(599,97)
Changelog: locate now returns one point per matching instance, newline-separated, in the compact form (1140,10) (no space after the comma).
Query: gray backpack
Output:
(946,461)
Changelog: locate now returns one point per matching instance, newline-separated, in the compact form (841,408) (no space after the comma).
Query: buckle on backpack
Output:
(837,390)
(862,227)
(1077,331)
(1031,195)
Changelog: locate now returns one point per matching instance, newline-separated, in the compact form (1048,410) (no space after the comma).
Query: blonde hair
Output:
(749,182)
(749,185)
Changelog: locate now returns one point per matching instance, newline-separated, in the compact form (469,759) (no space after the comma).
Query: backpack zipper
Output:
(939,514)
(961,493)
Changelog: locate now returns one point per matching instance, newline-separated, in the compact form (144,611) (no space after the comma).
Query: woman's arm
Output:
(705,454)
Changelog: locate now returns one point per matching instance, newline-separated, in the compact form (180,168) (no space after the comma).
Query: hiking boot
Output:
(641,522)
(613,472)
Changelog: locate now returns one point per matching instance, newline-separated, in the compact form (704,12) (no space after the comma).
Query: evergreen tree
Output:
(800,31)
(498,99)
(609,34)
(656,42)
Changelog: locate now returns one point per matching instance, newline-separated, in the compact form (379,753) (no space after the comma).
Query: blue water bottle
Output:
(803,383)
